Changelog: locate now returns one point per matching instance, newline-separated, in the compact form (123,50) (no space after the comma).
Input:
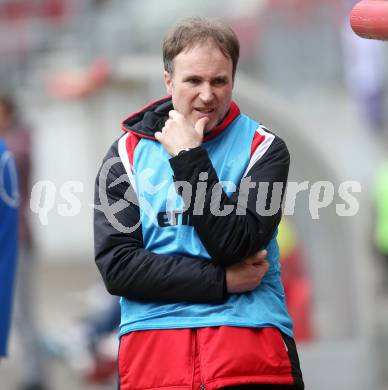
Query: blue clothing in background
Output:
(9,199)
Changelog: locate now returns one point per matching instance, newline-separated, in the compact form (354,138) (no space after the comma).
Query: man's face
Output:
(201,84)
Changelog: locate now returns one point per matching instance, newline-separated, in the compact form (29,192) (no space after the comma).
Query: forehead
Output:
(204,59)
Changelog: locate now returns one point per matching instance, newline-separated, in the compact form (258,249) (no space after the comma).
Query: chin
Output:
(210,128)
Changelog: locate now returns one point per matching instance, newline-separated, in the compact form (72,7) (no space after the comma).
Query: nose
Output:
(206,93)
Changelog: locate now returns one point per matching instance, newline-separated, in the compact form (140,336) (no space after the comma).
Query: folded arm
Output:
(247,228)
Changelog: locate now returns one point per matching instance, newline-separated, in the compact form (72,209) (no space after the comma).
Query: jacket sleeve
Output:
(231,237)
(128,269)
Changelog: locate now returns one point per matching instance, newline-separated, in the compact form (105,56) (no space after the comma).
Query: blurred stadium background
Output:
(77,68)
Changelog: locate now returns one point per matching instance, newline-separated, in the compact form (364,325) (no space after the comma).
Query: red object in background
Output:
(298,291)
(103,371)
(73,84)
(369,19)
(21,10)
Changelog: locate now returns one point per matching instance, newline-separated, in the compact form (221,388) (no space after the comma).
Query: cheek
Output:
(180,102)
(227,98)
(185,97)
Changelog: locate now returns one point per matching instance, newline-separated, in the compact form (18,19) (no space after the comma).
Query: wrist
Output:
(181,151)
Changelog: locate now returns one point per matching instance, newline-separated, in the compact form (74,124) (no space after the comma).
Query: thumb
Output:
(200,125)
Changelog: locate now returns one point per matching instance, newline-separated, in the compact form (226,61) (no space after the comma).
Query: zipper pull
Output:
(203,387)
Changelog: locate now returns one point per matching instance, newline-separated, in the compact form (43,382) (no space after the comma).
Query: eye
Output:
(220,82)
(193,80)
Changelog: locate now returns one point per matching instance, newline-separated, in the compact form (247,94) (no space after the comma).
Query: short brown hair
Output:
(193,31)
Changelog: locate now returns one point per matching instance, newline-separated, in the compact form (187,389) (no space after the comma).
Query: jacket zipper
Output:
(202,387)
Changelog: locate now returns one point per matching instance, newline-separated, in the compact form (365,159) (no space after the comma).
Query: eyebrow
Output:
(194,76)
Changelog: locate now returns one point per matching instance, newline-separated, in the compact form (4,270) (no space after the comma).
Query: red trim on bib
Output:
(130,145)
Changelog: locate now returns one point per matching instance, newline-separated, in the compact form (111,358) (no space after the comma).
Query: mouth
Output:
(203,111)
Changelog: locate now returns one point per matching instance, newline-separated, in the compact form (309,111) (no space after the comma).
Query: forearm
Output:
(244,230)
(139,274)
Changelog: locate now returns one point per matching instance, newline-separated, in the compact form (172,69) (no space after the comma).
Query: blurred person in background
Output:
(8,241)
(380,229)
(187,321)
(89,344)
(18,138)
(296,280)
(365,74)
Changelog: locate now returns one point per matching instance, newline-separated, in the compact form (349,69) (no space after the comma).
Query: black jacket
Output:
(131,271)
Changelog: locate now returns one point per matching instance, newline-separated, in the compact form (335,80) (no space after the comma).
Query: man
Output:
(18,139)
(8,241)
(183,244)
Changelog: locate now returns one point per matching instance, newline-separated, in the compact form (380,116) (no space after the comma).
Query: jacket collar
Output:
(151,118)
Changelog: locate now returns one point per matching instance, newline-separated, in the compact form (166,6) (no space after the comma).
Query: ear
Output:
(168,82)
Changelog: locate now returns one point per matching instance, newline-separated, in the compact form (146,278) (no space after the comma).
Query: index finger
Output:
(257,258)
(255,261)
